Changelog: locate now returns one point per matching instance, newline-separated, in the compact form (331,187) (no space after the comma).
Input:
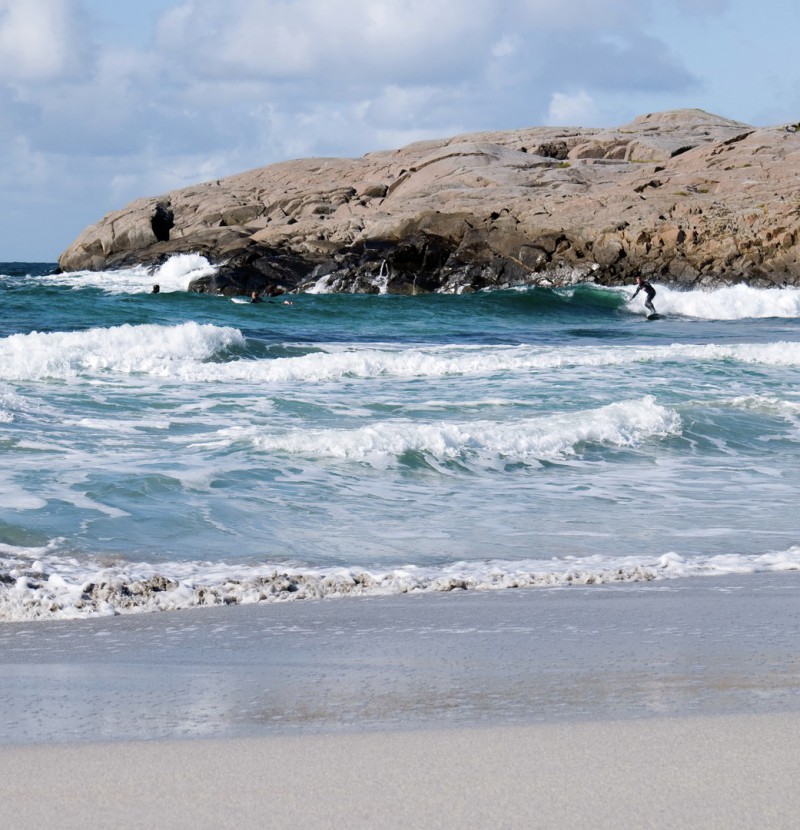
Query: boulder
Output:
(683,196)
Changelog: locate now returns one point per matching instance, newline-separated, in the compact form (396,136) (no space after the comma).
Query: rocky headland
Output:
(683,197)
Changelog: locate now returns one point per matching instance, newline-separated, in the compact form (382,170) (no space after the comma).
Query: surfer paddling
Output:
(643,285)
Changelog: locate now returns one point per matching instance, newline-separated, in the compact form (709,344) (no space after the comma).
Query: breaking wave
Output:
(208,353)
(152,349)
(733,302)
(174,275)
(622,424)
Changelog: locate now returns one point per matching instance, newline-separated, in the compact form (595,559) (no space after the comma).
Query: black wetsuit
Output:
(650,291)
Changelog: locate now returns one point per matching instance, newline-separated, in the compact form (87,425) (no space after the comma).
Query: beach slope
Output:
(668,704)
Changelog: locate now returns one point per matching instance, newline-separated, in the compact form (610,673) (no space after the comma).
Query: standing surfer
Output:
(643,285)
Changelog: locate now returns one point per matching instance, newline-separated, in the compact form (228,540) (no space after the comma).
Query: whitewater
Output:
(171,450)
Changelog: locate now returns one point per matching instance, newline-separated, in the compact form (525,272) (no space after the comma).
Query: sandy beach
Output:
(726,772)
(670,704)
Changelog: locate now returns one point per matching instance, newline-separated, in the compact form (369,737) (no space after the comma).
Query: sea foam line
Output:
(452,361)
(620,424)
(52,588)
(184,352)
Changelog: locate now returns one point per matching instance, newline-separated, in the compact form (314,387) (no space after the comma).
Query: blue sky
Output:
(105,101)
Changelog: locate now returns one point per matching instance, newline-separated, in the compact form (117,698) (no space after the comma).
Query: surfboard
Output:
(653,317)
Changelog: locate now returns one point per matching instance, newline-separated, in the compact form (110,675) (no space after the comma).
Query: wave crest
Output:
(145,348)
(730,302)
(621,424)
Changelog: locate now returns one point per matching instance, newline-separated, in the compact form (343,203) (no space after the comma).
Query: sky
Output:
(106,101)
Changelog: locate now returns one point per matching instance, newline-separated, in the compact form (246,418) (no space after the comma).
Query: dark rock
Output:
(162,222)
(266,271)
(553,150)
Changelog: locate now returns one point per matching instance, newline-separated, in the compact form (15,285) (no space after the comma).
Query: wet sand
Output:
(671,704)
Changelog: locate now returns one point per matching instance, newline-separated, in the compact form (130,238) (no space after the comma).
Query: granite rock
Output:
(682,196)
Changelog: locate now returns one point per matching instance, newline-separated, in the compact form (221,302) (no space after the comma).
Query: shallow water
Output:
(687,647)
(375,444)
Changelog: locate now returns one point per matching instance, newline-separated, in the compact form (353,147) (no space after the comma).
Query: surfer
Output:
(643,285)
(255,297)
(156,289)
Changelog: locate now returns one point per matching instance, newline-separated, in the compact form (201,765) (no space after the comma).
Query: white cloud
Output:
(703,7)
(372,68)
(210,88)
(409,108)
(506,47)
(27,168)
(326,76)
(573,15)
(373,41)
(39,39)
(571,110)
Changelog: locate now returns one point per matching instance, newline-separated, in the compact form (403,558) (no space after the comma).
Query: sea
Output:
(172,450)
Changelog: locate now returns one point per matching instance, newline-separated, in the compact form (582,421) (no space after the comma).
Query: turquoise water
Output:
(374,443)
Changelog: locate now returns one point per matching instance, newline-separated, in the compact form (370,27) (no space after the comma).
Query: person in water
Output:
(156,289)
(643,285)
(255,297)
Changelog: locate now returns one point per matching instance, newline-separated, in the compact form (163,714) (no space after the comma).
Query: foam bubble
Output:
(35,584)
(10,405)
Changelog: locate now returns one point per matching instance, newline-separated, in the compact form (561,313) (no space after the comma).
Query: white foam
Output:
(37,584)
(148,349)
(622,424)
(17,498)
(174,275)
(183,352)
(452,361)
(178,271)
(10,404)
(768,404)
(734,302)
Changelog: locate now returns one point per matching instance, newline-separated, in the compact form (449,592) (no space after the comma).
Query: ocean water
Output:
(168,450)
